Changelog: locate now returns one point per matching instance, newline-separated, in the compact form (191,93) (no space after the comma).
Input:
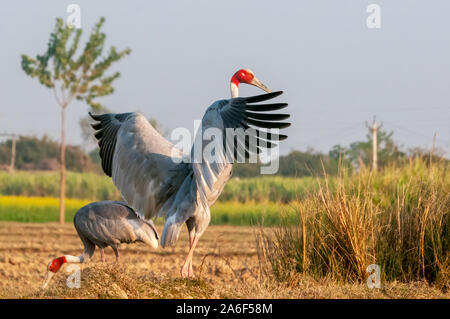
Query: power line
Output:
(415,132)
(327,134)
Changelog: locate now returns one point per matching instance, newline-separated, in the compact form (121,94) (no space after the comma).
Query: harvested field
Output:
(225,262)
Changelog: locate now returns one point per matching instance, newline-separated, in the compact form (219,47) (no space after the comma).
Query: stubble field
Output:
(226,265)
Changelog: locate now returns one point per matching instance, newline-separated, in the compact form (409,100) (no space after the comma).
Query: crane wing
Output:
(140,161)
(242,127)
(142,166)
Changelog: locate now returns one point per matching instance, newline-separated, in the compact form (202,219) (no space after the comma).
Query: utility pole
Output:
(13,149)
(374,146)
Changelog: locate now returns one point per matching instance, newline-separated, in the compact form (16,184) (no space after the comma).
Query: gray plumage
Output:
(110,223)
(147,169)
(102,224)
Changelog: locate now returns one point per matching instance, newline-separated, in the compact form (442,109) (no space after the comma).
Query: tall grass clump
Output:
(397,219)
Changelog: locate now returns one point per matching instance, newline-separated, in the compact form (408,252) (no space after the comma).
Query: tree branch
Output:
(56,96)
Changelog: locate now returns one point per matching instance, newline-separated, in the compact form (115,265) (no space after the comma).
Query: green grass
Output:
(36,209)
(268,188)
(100,187)
(46,184)
(250,213)
(46,209)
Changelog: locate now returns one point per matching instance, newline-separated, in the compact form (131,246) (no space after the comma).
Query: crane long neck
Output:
(58,262)
(234,87)
(74,259)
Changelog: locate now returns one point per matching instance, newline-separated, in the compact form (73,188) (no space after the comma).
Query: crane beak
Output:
(48,277)
(258,83)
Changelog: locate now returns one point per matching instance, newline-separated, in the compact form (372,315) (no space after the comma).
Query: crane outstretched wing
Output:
(244,128)
(215,150)
(142,165)
(140,161)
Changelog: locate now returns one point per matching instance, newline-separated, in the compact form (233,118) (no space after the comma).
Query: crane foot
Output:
(187,271)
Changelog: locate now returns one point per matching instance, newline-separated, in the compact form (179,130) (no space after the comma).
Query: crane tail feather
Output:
(171,232)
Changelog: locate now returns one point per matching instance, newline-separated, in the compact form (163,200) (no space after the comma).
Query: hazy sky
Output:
(335,71)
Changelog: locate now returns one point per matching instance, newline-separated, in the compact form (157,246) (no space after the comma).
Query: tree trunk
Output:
(13,153)
(62,185)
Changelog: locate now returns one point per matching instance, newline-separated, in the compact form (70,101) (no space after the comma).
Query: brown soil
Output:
(225,263)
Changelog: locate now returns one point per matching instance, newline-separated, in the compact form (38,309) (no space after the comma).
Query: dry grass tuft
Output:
(116,281)
(398,219)
(97,281)
(111,281)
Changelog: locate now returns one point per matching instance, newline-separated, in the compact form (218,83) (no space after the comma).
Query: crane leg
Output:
(186,269)
(190,223)
(191,241)
(102,253)
(116,252)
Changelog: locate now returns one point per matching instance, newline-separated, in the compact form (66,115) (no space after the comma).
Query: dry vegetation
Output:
(398,219)
(226,264)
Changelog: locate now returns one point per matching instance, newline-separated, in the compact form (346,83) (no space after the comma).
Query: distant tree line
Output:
(357,155)
(34,153)
(296,163)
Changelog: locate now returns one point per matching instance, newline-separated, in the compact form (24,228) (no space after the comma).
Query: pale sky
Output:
(336,72)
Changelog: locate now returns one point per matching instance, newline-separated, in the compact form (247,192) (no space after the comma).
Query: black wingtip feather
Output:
(96,126)
(271,136)
(98,135)
(265,124)
(262,97)
(95,117)
(265,107)
(107,127)
(267,117)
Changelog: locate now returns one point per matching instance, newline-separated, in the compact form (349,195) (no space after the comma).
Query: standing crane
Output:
(103,224)
(152,177)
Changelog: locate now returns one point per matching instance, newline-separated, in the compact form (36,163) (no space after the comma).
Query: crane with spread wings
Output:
(155,178)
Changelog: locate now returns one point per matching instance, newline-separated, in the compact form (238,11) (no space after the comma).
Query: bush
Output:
(397,219)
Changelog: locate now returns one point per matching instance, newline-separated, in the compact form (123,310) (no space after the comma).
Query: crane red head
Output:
(52,268)
(56,263)
(248,77)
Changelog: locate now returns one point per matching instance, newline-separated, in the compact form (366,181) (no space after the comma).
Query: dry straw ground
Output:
(226,265)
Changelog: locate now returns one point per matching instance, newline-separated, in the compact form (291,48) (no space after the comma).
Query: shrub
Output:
(397,219)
